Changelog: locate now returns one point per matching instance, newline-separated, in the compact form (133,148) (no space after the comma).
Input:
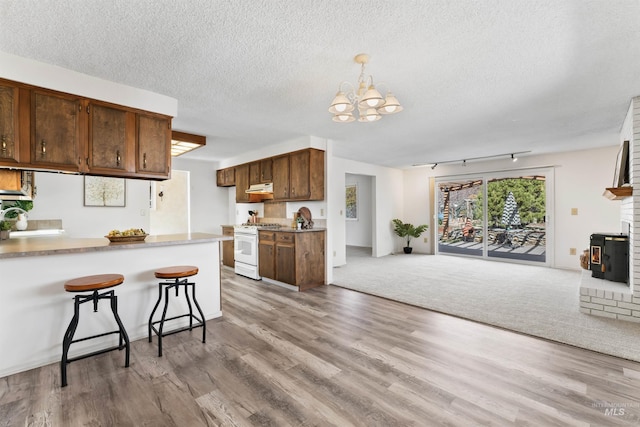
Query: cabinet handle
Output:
(118,158)
(43,148)
(293,192)
(4,143)
(144,161)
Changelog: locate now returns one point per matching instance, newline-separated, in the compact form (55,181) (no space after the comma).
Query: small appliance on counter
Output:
(609,256)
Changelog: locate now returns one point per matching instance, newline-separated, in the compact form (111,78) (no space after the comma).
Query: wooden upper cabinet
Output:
(154,146)
(260,171)
(242,183)
(281,177)
(226,177)
(9,125)
(57,125)
(299,175)
(254,173)
(112,140)
(266,170)
(50,130)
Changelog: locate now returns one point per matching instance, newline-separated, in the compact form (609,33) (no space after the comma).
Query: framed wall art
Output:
(104,191)
(351,207)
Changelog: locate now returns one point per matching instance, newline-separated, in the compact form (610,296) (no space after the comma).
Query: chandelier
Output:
(366,99)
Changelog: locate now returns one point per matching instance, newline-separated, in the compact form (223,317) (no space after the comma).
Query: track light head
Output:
(464,163)
(434,166)
(513,158)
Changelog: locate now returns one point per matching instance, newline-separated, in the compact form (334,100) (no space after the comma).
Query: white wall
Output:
(359,231)
(580,180)
(209,203)
(61,196)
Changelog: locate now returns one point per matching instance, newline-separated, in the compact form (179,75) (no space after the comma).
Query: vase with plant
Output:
(21,217)
(5,226)
(408,231)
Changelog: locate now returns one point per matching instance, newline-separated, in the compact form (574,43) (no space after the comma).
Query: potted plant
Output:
(21,218)
(408,231)
(5,226)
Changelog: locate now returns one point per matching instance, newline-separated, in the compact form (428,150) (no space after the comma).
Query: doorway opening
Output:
(359,215)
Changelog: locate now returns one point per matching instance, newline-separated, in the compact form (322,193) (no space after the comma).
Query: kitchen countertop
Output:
(294,230)
(50,245)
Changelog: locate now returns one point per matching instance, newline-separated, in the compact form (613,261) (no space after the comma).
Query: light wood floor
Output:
(331,356)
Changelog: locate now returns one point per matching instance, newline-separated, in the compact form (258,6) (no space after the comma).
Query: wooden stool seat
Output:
(93,283)
(173,278)
(176,272)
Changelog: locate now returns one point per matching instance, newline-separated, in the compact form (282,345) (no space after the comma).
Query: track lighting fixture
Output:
(464,161)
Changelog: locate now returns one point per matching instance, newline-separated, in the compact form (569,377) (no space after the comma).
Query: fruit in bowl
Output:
(129,235)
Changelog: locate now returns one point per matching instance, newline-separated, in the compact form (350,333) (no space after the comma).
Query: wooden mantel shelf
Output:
(618,193)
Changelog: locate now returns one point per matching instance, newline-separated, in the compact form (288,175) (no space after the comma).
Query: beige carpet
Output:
(534,300)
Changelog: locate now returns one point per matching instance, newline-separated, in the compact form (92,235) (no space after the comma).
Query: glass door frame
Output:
(547,172)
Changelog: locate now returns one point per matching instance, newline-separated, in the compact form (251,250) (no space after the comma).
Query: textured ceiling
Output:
(475,78)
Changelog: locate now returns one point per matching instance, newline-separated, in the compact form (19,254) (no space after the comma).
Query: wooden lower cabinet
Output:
(227,248)
(295,258)
(267,254)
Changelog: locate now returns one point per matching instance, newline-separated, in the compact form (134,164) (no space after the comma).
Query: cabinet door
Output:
(154,144)
(227,248)
(254,173)
(281,178)
(266,255)
(57,123)
(266,170)
(220,178)
(242,183)
(286,263)
(299,175)
(230,177)
(111,140)
(9,151)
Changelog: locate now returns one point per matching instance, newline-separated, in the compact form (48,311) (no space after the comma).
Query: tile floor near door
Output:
(331,356)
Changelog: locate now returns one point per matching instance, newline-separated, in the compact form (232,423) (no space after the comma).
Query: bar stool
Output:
(175,277)
(92,284)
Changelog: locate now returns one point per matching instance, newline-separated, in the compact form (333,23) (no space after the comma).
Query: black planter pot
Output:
(407,249)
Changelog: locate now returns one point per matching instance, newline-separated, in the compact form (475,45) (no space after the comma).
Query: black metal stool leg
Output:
(186,295)
(153,312)
(123,332)
(68,338)
(164,315)
(204,324)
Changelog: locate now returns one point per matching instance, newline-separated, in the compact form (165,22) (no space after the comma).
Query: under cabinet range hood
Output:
(16,184)
(260,189)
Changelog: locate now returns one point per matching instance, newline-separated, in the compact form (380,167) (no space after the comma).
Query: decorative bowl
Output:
(127,239)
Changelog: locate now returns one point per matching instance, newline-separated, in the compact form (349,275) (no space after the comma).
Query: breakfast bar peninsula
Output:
(35,310)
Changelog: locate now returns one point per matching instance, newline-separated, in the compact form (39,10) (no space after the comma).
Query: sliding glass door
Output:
(516,213)
(460,221)
(497,215)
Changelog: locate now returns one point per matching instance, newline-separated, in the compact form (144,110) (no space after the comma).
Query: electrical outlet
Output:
(572,251)
(425,240)
(574,211)
(334,253)
(321,212)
